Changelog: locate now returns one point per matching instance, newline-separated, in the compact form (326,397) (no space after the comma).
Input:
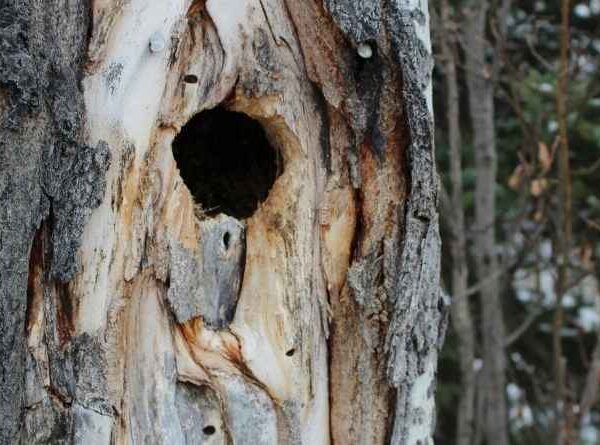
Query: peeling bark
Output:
(132,314)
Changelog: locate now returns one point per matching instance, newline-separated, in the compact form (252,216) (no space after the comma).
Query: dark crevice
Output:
(209,430)
(190,78)
(35,278)
(226,161)
(65,313)
(226,240)
(324,137)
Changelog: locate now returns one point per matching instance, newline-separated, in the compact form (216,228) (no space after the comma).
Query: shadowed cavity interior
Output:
(226,161)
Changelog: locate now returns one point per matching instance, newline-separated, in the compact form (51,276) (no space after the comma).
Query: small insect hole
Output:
(226,240)
(209,430)
(290,352)
(190,78)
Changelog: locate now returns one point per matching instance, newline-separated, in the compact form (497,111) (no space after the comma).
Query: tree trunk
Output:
(462,320)
(264,272)
(564,422)
(479,75)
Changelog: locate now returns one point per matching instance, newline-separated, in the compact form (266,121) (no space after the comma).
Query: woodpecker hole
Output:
(190,78)
(209,430)
(227,163)
(290,352)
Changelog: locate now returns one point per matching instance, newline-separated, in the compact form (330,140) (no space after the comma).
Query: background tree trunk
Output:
(132,312)
(564,424)
(461,311)
(480,73)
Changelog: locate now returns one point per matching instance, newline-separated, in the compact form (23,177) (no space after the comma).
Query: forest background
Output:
(517,101)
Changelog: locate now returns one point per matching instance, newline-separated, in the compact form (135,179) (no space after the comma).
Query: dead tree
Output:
(218,222)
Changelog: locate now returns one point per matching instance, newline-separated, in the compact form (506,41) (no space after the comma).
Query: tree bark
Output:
(479,75)
(462,320)
(564,422)
(132,314)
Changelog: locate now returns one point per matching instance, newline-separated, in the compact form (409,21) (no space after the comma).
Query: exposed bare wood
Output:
(150,318)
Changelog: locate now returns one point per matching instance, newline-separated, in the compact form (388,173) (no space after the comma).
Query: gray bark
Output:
(480,76)
(127,316)
(47,173)
(461,311)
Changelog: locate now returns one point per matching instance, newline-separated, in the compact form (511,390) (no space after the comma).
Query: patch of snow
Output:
(569,301)
(590,434)
(546,249)
(588,318)
(525,295)
(513,392)
(582,10)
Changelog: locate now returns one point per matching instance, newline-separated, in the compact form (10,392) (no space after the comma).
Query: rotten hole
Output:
(227,163)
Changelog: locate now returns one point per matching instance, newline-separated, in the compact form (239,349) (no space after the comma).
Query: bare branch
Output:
(518,332)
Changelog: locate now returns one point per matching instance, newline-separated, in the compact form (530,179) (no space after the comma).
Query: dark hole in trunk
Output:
(226,161)
(226,239)
(209,430)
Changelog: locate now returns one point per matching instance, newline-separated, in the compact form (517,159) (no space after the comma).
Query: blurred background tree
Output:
(517,98)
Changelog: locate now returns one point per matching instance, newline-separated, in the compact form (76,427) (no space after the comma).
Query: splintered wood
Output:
(188,327)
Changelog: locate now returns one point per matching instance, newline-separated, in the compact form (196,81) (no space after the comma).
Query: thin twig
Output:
(525,325)
(586,171)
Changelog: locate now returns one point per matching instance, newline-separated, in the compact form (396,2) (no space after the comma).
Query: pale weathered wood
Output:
(208,285)
(315,320)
